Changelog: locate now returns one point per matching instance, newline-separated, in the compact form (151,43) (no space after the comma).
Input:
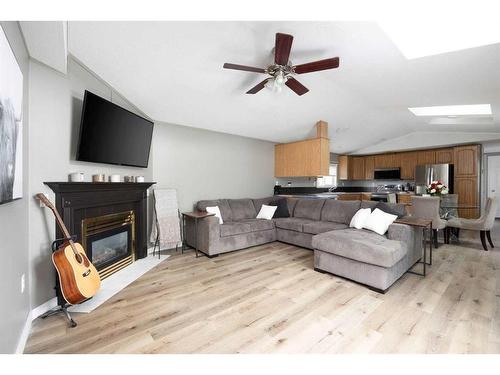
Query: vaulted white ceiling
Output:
(173,72)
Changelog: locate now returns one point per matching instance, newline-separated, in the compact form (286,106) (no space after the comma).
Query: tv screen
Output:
(111,134)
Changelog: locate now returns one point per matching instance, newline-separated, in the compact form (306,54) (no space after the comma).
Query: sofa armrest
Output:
(208,234)
(411,236)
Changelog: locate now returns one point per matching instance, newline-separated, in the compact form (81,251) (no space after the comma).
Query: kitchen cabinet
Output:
(369,167)
(408,162)
(426,157)
(357,164)
(343,169)
(384,161)
(467,189)
(445,156)
(302,159)
(404,198)
(467,160)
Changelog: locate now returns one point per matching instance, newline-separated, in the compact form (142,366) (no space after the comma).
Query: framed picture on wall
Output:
(11,129)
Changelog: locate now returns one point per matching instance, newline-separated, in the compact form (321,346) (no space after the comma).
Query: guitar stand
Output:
(61,302)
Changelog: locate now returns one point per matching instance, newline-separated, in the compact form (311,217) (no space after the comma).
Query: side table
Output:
(426,226)
(195,215)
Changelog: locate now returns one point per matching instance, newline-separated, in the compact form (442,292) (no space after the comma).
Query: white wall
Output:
(202,164)
(55,109)
(15,306)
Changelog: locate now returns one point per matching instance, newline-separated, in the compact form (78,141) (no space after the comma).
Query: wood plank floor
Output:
(268,299)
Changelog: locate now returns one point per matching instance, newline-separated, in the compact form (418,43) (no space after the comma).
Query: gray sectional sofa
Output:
(319,224)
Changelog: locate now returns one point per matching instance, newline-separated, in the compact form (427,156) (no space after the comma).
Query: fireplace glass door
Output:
(109,241)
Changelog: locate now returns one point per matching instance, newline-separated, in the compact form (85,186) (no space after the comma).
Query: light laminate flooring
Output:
(268,299)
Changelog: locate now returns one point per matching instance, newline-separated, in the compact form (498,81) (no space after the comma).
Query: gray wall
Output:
(55,108)
(202,164)
(15,307)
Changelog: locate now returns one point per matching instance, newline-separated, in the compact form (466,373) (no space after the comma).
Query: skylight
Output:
(453,110)
(417,38)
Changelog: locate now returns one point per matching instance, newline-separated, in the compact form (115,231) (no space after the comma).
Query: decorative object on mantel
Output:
(437,188)
(76,177)
(98,177)
(128,178)
(114,178)
(139,179)
(11,128)
(166,233)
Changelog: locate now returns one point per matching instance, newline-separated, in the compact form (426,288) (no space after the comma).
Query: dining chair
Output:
(483,224)
(428,208)
(449,204)
(391,198)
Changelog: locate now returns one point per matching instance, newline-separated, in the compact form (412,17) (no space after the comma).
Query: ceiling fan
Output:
(282,70)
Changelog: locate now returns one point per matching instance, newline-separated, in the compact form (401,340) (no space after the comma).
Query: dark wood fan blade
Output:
(282,48)
(257,88)
(316,66)
(243,67)
(296,86)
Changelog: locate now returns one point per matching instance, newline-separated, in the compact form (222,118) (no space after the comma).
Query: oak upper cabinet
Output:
(357,168)
(343,169)
(466,160)
(468,195)
(426,157)
(445,156)
(408,162)
(369,167)
(302,159)
(385,161)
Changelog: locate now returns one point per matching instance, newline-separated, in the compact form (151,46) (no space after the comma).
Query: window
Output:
(330,180)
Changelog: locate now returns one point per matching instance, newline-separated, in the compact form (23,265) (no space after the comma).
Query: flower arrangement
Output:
(437,188)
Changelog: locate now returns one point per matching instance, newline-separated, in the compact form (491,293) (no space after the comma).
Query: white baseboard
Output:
(43,308)
(24,334)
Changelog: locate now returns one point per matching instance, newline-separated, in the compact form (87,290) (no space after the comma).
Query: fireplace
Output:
(109,241)
(108,219)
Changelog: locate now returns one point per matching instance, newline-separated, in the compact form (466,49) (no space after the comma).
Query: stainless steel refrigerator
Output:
(425,174)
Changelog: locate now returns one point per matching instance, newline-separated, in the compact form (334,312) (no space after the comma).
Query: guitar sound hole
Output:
(79,258)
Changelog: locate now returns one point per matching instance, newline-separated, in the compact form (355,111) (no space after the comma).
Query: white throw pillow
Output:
(215,210)
(360,217)
(379,221)
(266,212)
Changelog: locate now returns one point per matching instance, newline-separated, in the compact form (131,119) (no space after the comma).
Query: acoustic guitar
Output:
(78,278)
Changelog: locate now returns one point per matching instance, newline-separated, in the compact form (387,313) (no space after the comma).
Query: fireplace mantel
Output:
(76,201)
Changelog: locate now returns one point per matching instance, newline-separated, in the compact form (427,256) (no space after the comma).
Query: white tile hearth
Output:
(116,282)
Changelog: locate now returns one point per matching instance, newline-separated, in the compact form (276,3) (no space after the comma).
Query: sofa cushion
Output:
(281,207)
(242,209)
(308,208)
(292,223)
(234,228)
(397,209)
(258,224)
(369,204)
(361,245)
(322,226)
(257,203)
(224,208)
(291,202)
(339,211)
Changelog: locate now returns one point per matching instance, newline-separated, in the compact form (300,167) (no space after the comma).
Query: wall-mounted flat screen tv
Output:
(110,134)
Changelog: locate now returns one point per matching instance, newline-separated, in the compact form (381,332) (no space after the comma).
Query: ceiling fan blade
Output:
(258,87)
(282,48)
(296,86)
(316,66)
(243,67)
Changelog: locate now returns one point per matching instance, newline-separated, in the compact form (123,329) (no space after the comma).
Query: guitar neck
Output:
(59,221)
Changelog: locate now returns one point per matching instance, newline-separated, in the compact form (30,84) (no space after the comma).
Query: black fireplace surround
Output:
(77,201)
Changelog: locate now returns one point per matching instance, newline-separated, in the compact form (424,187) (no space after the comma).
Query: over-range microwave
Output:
(387,174)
